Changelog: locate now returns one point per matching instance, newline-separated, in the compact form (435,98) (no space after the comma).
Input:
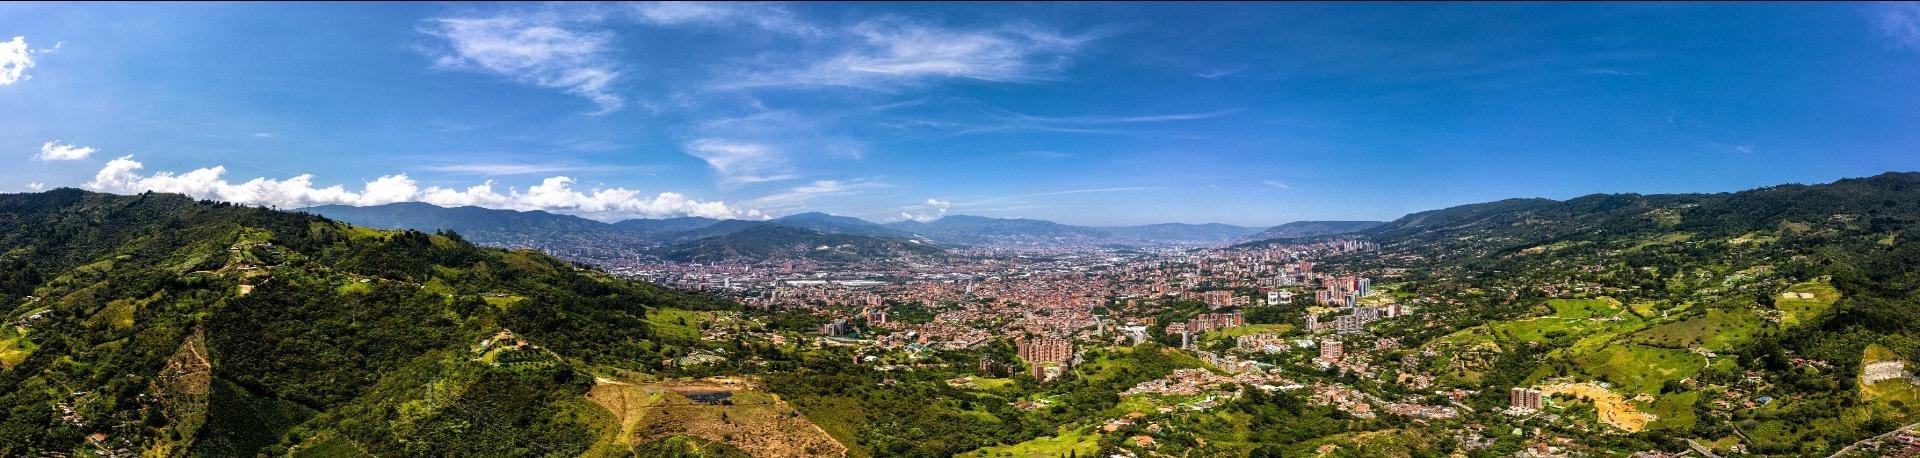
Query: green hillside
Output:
(1739,315)
(160,324)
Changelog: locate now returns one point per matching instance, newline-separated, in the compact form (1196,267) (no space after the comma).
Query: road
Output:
(1850,447)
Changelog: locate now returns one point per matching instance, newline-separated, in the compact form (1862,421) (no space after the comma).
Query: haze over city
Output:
(1087,114)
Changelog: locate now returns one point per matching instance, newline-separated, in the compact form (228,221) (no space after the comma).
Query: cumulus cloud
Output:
(1900,22)
(35,185)
(740,162)
(929,210)
(544,52)
(56,151)
(556,194)
(15,59)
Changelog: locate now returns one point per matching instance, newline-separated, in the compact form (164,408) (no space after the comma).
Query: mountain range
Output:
(585,238)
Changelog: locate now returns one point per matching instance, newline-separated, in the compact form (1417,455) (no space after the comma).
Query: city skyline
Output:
(1110,114)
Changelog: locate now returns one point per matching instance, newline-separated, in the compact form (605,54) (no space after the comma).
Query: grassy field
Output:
(327,446)
(984,383)
(1667,239)
(1795,307)
(1120,360)
(1635,368)
(1585,308)
(755,422)
(1717,330)
(1081,441)
(1675,411)
(14,347)
(1231,333)
(1571,317)
(675,323)
(1887,391)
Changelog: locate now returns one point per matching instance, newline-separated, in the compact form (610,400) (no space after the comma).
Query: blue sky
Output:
(1083,113)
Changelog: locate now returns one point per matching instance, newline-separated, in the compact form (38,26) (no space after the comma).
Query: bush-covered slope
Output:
(1769,296)
(160,324)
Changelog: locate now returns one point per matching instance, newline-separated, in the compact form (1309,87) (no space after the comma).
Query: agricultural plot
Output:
(1801,303)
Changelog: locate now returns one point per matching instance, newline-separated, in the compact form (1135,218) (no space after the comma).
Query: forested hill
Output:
(1301,229)
(1881,204)
(170,326)
(1734,318)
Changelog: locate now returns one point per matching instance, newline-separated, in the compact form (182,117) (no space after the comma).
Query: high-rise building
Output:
(1524,398)
(1331,350)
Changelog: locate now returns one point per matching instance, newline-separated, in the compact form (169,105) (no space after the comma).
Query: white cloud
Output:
(1275,184)
(1212,73)
(56,151)
(797,197)
(35,185)
(765,16)
(555,194)
(740,162)
(264,135)
(1900,21)
(892,51)
(541,52)
(929,210)
(1006,121)
(15,59)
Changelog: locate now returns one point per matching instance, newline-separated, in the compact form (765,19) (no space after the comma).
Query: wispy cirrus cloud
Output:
(797,197)
(555,194)
(536,49)
(885,53)
(737,161)
(1008,121)
(766,16)
(1220,72)
(1900,23)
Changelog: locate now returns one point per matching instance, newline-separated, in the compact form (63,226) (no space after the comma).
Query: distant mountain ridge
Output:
(575,234)
(774,242)
(1183,232)
(834,224)
(1298,229)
